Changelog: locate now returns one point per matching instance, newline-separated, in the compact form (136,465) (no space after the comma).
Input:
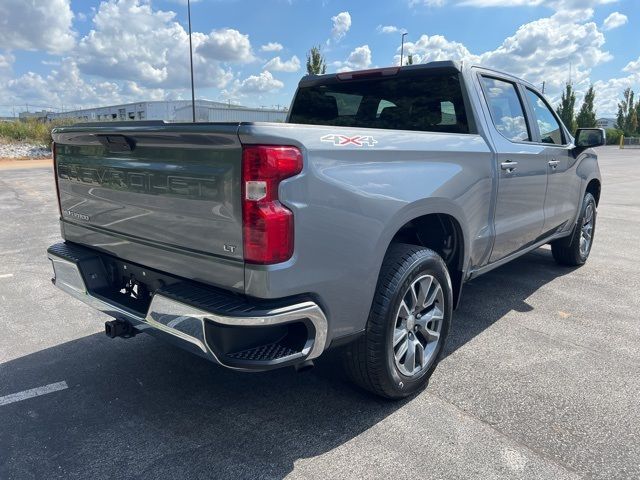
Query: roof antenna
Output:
(402,48)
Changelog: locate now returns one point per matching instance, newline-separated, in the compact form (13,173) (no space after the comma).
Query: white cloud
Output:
(261,83)
(358,59)
(388,29)
(542,50)
(341,25)
(554,4)
(609,93)
(36,25)
(633,67)
(576,4)
(271,47)
(227,45)
(501,3)
(66,86)
(545,49)
(277,65)
(427,3)
(615,20)
(129,40)
(435,48)
(6,62)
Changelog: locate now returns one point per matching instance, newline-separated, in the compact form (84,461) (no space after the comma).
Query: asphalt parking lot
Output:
(541,377)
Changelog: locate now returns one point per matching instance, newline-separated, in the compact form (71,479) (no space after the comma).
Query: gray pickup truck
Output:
(353,225)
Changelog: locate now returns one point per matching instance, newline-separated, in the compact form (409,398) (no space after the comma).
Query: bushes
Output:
(613,136)
(30,131)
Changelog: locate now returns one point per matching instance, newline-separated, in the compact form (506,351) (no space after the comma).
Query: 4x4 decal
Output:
(343,140)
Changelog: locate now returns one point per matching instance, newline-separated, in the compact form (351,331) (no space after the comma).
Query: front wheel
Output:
(575,250)
(408,324)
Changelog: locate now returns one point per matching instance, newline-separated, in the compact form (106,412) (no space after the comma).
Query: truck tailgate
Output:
(167,196)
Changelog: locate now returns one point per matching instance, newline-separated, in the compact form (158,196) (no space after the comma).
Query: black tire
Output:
(567,251)
(370,361)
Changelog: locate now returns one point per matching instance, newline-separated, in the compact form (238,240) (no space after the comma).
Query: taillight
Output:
(55,176)
(267,224)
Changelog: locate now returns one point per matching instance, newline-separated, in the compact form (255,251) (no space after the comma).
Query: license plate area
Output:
(129,285)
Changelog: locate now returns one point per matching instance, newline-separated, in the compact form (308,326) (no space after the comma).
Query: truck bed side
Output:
(351,200)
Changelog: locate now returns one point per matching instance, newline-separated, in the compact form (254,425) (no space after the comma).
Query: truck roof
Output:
(312,79)
(452,65)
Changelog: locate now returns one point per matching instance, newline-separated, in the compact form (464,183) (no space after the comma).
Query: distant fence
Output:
(629,142)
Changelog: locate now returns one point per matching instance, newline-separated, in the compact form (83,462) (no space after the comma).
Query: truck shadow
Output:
(488,298)
(142,408)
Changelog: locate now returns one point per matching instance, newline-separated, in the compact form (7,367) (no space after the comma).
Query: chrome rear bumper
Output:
(77,269)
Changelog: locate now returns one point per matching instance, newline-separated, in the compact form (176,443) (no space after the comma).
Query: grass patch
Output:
(30,131)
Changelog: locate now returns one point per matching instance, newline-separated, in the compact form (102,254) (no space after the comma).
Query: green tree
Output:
(316,64)
(628,128)
(409,59)
(587,116)
(566,109)
(633,122)
(622,109)
(626,109)
(631,119)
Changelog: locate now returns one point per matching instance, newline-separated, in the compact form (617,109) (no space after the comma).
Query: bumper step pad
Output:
(264,353)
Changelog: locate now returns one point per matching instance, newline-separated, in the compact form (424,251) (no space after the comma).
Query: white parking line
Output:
(6,275)
(34,392)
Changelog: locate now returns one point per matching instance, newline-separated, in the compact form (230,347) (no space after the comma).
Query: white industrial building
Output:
(174,111)
(606,123)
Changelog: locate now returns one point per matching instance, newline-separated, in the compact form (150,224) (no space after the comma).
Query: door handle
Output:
(509,166)
(554,163)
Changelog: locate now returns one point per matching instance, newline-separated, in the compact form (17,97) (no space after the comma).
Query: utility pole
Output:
(402,48)
(193,92)
(570,72)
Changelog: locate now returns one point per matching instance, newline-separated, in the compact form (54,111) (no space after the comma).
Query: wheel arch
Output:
(440,228)
(593,187)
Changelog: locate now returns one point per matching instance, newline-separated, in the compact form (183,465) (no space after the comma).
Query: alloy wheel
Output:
(586,233)
(418,325)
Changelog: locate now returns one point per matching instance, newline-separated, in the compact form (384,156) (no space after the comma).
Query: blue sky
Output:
(72,54)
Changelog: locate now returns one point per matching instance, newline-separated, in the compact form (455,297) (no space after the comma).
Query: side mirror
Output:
(590,137)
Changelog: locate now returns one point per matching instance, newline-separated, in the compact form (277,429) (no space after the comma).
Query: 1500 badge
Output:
(343,140)
(76,215)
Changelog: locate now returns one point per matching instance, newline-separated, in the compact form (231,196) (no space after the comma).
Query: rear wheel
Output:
(575,249)
(408,324)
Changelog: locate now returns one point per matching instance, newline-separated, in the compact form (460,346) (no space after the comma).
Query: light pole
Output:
(193,93)
(402,48)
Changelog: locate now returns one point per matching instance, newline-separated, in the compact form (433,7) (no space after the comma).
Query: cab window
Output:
(506,109)
(550,130)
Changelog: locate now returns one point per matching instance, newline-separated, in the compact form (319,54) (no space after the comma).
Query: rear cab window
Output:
(428,102)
